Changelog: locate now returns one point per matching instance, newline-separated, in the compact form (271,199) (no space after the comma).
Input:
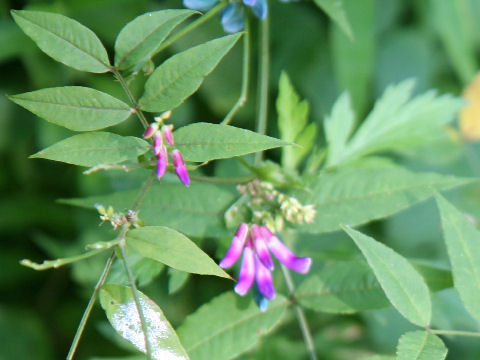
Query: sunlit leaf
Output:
(64,39)
(119,304)
(182,74)
(75,107)
(228,326)
(357,194)
(140,38)
(420,345)
(195,211)
(204,141)
(402,284)
(173,249)
(463,245)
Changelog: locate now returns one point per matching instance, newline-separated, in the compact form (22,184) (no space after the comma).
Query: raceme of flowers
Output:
(256,242)
(162,134)
(232,16)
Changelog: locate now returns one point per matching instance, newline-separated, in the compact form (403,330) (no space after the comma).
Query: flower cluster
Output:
(232,17)
(160,132)
(256,242)
(118,219)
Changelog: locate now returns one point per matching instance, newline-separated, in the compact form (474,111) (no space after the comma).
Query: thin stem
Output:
(131,279)
(134,102)
(242,99)
(302,321)
(193,25)
(54,264)
(88,309)
(143,191)
(454,333)
(263,76)
(214,180)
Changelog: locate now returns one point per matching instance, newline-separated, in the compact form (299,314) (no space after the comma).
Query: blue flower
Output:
(232,16)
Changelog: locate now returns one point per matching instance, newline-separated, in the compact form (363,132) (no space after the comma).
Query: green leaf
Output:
(455,24)
(292,118)
(306,141)
(176,280)
(144,270)
(74,107)
(173,249)
(357,194)
(119,304)
(181,75)
(420,345)
(397,121)
(402,284)
(335,10)
(343,287)
(204,142)
(195,211)
(228,326)
(338,127)
(463,245)
(64,39)
(353,61)
(139,40)
(95,148)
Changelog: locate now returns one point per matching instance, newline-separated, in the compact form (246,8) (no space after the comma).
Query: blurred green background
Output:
(435,41)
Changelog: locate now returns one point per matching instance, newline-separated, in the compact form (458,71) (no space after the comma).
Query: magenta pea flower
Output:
(180,168)
(256,242)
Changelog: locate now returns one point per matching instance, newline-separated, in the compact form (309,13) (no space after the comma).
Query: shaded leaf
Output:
(463,245)
(420,345)
(209,334)
(64,39)
(144,270)
(357,194)
(95,148)
(74,107)
(196,211)
(176,280)
(174,249)
(335,10)
(139,40)
(181,75)
(402,284)
(119,304)
(204,141)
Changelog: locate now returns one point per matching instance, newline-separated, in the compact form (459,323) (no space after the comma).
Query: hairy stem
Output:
(193,25)
(263,78)
(242,99)
(143,321)
(88,309)
(302,321)
(118,75)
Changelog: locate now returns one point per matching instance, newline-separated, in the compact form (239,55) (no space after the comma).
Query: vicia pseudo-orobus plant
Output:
(265,210)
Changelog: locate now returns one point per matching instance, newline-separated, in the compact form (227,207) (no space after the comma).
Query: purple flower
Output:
(180,168)
(256,242)
(150,131)
(157,143)
(167,133)
(162,161)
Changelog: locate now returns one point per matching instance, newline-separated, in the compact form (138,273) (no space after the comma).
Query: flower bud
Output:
(167,133)
(150,131)
(157,143)
(180,168)
(162,162)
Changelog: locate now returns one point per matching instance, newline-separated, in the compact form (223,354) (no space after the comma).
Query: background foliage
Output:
(436,42)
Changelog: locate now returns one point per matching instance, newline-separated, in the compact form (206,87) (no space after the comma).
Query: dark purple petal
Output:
(247,272)
(233,18)
(167,132)
(286,257)
(264,280)
(162,162)
(157,143)
(261,247)
(236,247)
(180,168)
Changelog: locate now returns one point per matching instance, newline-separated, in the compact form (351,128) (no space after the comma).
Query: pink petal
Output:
(180,167)
(247,272)
(264,280)
(236,247)
(284,255)
(157,143)
(167,132)
(151,129)
(162,162)
(261,247)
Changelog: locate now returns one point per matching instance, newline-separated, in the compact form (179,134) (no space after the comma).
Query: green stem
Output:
(263,78)
(143,191)
(214,180)
(88,309)
(302,321)
(140,114)
(143,321)
(242,99)
(49,264)
(454,333)
(192,25)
